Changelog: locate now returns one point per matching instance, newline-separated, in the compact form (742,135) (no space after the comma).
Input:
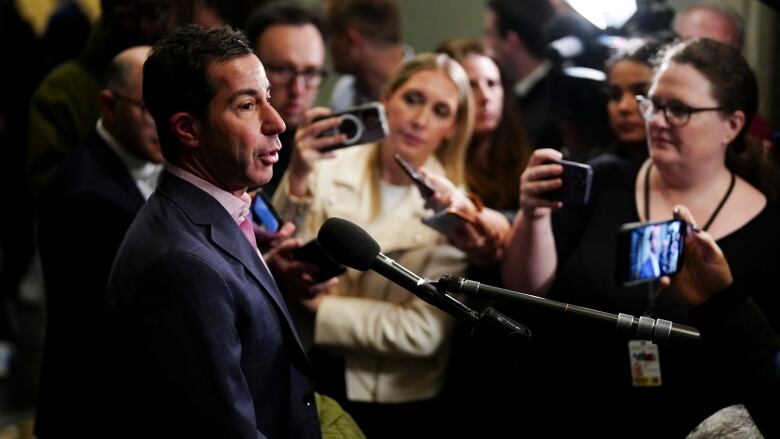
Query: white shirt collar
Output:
(143,172)
(524,85)
(238,208)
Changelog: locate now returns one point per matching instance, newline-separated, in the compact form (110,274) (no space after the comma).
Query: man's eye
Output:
(247,106)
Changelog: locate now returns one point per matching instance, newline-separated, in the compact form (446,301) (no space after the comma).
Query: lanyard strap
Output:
(714,214)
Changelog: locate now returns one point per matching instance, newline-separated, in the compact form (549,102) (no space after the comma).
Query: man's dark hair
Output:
(176,75)
(527,18)
(377,20)
(282,13)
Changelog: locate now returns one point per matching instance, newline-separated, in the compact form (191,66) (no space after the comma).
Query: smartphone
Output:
(362,124)
(312,253)
(647,251)
(577,179)
(264,214)
(446,221)
(422,183)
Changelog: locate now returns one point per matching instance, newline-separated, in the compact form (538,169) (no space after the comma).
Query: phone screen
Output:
(648,251)
(264,214)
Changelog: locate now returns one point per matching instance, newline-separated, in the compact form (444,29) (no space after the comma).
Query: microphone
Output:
(659,331)
(350,245)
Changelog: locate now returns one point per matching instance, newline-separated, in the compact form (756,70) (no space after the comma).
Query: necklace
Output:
(714,214)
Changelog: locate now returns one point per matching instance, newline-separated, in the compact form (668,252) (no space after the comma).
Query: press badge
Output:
(645,364)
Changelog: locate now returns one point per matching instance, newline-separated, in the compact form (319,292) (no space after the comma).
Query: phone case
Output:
(445,221)
(264,214)
(362,124)
(426,190)
(577,179)
(312,253)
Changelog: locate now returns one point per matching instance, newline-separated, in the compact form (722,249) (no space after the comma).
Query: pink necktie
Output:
(246,228)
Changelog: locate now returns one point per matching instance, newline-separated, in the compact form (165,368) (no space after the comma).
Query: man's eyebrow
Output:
(243,92)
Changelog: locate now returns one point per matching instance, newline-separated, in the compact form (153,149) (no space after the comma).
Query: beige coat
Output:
(395,345)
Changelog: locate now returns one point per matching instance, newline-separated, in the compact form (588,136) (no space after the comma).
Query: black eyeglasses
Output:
(675,113)
(129,100)
(312,77)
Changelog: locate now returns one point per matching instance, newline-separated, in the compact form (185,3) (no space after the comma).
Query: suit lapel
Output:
(225,234)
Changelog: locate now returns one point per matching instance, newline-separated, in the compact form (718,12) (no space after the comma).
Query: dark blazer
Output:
(201,343)
(86,211)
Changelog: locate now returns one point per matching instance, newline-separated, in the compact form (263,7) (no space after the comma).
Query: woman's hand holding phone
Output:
(705,270)
(540,176)
(308,146)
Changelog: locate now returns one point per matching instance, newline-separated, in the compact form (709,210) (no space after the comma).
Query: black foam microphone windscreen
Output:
(347,243)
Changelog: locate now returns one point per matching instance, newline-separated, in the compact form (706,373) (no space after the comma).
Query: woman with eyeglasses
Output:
(392,346)
(702,97)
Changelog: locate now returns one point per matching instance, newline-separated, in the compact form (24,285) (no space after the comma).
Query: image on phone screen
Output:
(647,251)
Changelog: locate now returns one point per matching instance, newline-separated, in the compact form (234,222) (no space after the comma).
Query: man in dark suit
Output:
(200,341)
(88,208)
(515,32)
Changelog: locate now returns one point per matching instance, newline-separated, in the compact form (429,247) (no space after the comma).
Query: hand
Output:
(538,178)
(705,270)
(308,146)
(446,195)
(296,279)
(483,244)
(266,240)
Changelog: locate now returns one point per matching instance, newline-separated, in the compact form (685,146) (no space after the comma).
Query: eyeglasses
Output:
(675,113)
(123,97)
(312,77)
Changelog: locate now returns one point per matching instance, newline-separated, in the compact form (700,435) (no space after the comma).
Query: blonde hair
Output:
(452,152)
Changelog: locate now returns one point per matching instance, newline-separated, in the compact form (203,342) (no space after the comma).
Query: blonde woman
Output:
(394,346)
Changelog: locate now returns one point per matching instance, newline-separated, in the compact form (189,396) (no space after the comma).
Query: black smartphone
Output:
(312,253)
(577,179)
(647,251)
(426,190)
(362,124)
(264,214)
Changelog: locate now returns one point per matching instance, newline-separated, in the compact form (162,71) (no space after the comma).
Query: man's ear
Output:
(106,99)
(186,128)
(354,38)
(513,41)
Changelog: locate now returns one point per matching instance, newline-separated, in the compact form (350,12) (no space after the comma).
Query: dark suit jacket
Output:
(201,343)
(537,114)
(87,209)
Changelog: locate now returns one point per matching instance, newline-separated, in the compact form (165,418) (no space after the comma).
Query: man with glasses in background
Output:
(86,211)
(291,42)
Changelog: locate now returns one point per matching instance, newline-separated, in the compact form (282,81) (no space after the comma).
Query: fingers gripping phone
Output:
(575,190)
(312,253)
(362,124)
(264,214)
(647,251)
(425,188)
